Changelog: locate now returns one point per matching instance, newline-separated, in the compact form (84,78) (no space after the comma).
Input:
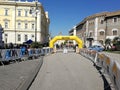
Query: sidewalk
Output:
(18,76)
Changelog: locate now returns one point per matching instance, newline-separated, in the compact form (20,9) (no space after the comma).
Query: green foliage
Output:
(107,41)
(116,43)
(36,45)
(65,42)
(115,40)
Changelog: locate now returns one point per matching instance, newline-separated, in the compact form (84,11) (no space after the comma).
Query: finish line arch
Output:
(78,40)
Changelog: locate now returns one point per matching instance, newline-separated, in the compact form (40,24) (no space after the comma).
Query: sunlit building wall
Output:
(98,27)
(19,25)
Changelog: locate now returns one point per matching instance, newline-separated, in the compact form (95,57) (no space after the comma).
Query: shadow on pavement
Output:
(106,84)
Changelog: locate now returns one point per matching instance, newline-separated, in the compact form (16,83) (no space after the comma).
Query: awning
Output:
(28,41)
(110,37)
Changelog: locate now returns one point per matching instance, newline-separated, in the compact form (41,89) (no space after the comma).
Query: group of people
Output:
(65,47)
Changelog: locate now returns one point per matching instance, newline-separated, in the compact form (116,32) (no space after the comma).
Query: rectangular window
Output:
(31,10)
(90,34)
(84,34)
(26,37)
(26,25)
(6,24)
(114,19)
(6,35)
(6,12)
(102,21)
(26,13)
(19,25)
(33,26)
(19,12)
(19,37)
(32,36)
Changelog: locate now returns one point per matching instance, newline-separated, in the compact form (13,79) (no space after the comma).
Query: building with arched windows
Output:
(98,27)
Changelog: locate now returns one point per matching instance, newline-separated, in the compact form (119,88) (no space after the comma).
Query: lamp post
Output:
(15,22)
(35,12)
(35,21)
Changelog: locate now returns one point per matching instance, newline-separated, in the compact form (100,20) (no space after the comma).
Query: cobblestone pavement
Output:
(113,56)
(18,76)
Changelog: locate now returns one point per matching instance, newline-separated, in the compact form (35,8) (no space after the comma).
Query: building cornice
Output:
(17,3)
(112,14)
(97,15)
(102,14)
(27,31)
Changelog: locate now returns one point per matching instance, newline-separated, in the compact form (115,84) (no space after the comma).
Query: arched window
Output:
(101,32)
(90,34)
(114,31)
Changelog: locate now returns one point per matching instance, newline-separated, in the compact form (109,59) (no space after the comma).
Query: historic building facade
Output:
(23,20)
(98,27)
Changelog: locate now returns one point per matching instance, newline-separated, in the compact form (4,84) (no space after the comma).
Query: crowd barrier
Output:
(106,65)
(8,55)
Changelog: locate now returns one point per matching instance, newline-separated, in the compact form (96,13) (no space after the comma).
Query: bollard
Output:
(77,50)
(54,50)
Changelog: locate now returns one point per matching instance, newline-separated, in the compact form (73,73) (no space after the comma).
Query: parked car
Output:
(96,48)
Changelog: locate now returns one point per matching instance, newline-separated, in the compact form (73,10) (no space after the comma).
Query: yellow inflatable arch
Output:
(78,40)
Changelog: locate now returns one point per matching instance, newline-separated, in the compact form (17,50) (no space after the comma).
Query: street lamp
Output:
(35,12)
(15,22)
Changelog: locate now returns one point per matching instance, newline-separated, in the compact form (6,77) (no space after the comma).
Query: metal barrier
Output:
(9,55)
(107,65)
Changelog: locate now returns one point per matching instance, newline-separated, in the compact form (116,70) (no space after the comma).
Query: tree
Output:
(36,45)
(115,40)
(108,43)
(116,43)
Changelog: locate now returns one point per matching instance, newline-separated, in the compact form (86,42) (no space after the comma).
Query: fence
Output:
(106,65)
(8,55)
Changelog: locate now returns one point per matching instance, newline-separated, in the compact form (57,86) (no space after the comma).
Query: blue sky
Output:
(65,14)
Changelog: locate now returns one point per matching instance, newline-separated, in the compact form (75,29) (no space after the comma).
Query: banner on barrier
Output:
(114,69)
